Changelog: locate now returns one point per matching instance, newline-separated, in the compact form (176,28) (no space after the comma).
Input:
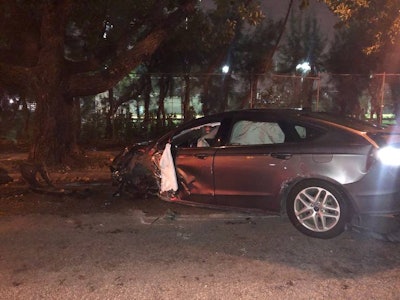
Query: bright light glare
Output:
(225,69)
(304,67)
(389,156)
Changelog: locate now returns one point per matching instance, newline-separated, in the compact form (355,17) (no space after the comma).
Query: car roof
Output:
(374,134)
(323,118)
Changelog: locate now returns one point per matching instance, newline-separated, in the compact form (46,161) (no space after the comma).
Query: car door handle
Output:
(201,155)
(281,155)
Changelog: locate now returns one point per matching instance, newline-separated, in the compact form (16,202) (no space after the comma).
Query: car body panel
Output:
(249,179)
(255,178)
(378,192)
(194,170)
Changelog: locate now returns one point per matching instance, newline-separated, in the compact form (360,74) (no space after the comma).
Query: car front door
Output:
(194,157)
(194,168)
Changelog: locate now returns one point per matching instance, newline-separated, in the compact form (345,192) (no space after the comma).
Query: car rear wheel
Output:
(317,209)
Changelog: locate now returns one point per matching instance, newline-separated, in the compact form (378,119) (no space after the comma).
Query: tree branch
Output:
(93,83)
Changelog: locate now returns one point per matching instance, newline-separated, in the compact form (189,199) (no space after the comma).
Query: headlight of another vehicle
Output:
(389,156)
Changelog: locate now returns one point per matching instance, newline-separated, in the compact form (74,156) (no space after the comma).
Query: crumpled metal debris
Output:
(132,172)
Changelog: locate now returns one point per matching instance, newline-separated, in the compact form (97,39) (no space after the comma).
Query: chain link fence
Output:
(365,96)
(372,96)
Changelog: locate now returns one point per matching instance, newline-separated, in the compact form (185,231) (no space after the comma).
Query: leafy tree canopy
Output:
(55,51)
(304,43)
(381,19)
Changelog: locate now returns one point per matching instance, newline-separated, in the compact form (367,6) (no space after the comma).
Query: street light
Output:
(303,68)
(225,69)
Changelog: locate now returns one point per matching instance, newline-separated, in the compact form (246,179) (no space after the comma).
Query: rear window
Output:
(385,137)
(361,125)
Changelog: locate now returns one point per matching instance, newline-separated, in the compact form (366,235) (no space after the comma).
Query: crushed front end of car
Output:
(132,171)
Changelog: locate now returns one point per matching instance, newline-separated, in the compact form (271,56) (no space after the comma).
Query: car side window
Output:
(301,131)
(246,132)
(198,136)
(306,133)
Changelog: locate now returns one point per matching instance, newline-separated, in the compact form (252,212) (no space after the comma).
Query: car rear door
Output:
(251,176)
(250,170)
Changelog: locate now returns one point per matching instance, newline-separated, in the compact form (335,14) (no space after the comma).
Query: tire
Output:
(318,209)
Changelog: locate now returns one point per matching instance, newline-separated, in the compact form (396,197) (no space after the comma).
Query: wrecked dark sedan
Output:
(322,170)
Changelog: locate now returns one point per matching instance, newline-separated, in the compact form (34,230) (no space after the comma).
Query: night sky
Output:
(276,9)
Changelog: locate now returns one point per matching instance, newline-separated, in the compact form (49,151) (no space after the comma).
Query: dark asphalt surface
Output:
(94,246)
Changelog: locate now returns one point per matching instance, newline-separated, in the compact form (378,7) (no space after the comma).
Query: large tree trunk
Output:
(54,132)
(55,138)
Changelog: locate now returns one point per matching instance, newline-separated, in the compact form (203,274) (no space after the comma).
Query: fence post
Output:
(318,90)
(251,89)
(382,102)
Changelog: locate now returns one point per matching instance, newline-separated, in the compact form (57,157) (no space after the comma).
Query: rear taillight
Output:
(389,156)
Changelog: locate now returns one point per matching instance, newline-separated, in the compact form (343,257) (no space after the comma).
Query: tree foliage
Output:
(381,20)
(304,43)
(55,51)
(364,44)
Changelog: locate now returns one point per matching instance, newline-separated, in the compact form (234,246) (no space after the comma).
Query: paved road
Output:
(216,256)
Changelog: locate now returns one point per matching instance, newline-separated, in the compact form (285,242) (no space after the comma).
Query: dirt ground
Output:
(80,190)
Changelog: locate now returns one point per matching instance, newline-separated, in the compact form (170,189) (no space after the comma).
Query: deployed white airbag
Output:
(167,168)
